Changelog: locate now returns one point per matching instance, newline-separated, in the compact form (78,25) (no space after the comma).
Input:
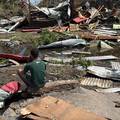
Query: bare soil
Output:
(101,104)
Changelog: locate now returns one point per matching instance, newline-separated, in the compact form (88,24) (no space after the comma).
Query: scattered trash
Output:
(9,43)
(104,45)
(100,46)
(12,20)
(16,24)
(7,91)
(81,22)
(16,20)
(3,96)
(79,19)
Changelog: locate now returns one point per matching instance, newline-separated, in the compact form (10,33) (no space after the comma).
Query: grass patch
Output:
(36,39)
(10,8)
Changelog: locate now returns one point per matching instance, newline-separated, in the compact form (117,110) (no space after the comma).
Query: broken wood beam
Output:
(91,36)
(59,85)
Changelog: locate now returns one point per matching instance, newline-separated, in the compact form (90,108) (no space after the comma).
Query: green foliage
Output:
(25,38)
(9,8)
(85,63)
(47,37)
(3,61)
(82,62)
(42,38)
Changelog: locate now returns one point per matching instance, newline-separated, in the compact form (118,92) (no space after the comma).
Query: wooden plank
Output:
(91,36)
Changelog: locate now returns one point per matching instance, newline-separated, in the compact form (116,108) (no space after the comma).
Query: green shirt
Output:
(35,73)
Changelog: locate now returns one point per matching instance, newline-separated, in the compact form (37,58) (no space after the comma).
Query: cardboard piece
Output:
(50,108)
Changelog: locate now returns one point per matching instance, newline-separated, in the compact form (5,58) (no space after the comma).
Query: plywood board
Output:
(50,108)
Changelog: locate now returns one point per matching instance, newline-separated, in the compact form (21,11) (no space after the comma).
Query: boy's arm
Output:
(22,72)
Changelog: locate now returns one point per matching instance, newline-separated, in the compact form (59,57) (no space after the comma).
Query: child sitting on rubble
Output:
(33,74)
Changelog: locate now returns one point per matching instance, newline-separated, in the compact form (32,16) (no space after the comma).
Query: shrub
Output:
(47,37)
(82,62)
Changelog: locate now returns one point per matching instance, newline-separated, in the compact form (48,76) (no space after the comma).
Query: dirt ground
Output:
(101,104)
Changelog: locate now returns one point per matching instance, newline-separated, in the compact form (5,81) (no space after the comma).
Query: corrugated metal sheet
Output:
(102,83)
(104,72)
(95,58)
(110,90)
(115,65)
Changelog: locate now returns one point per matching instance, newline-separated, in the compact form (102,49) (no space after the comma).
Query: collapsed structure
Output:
(89,25)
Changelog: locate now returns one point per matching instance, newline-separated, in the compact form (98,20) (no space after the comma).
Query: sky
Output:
(35,2)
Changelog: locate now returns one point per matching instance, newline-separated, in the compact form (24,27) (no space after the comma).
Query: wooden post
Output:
(29,12)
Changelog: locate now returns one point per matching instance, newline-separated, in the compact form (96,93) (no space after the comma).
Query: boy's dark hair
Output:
(35,52)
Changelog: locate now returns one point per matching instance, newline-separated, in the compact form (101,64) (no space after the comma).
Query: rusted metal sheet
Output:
(50,108)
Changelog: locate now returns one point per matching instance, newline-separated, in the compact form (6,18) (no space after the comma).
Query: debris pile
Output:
(91,49)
